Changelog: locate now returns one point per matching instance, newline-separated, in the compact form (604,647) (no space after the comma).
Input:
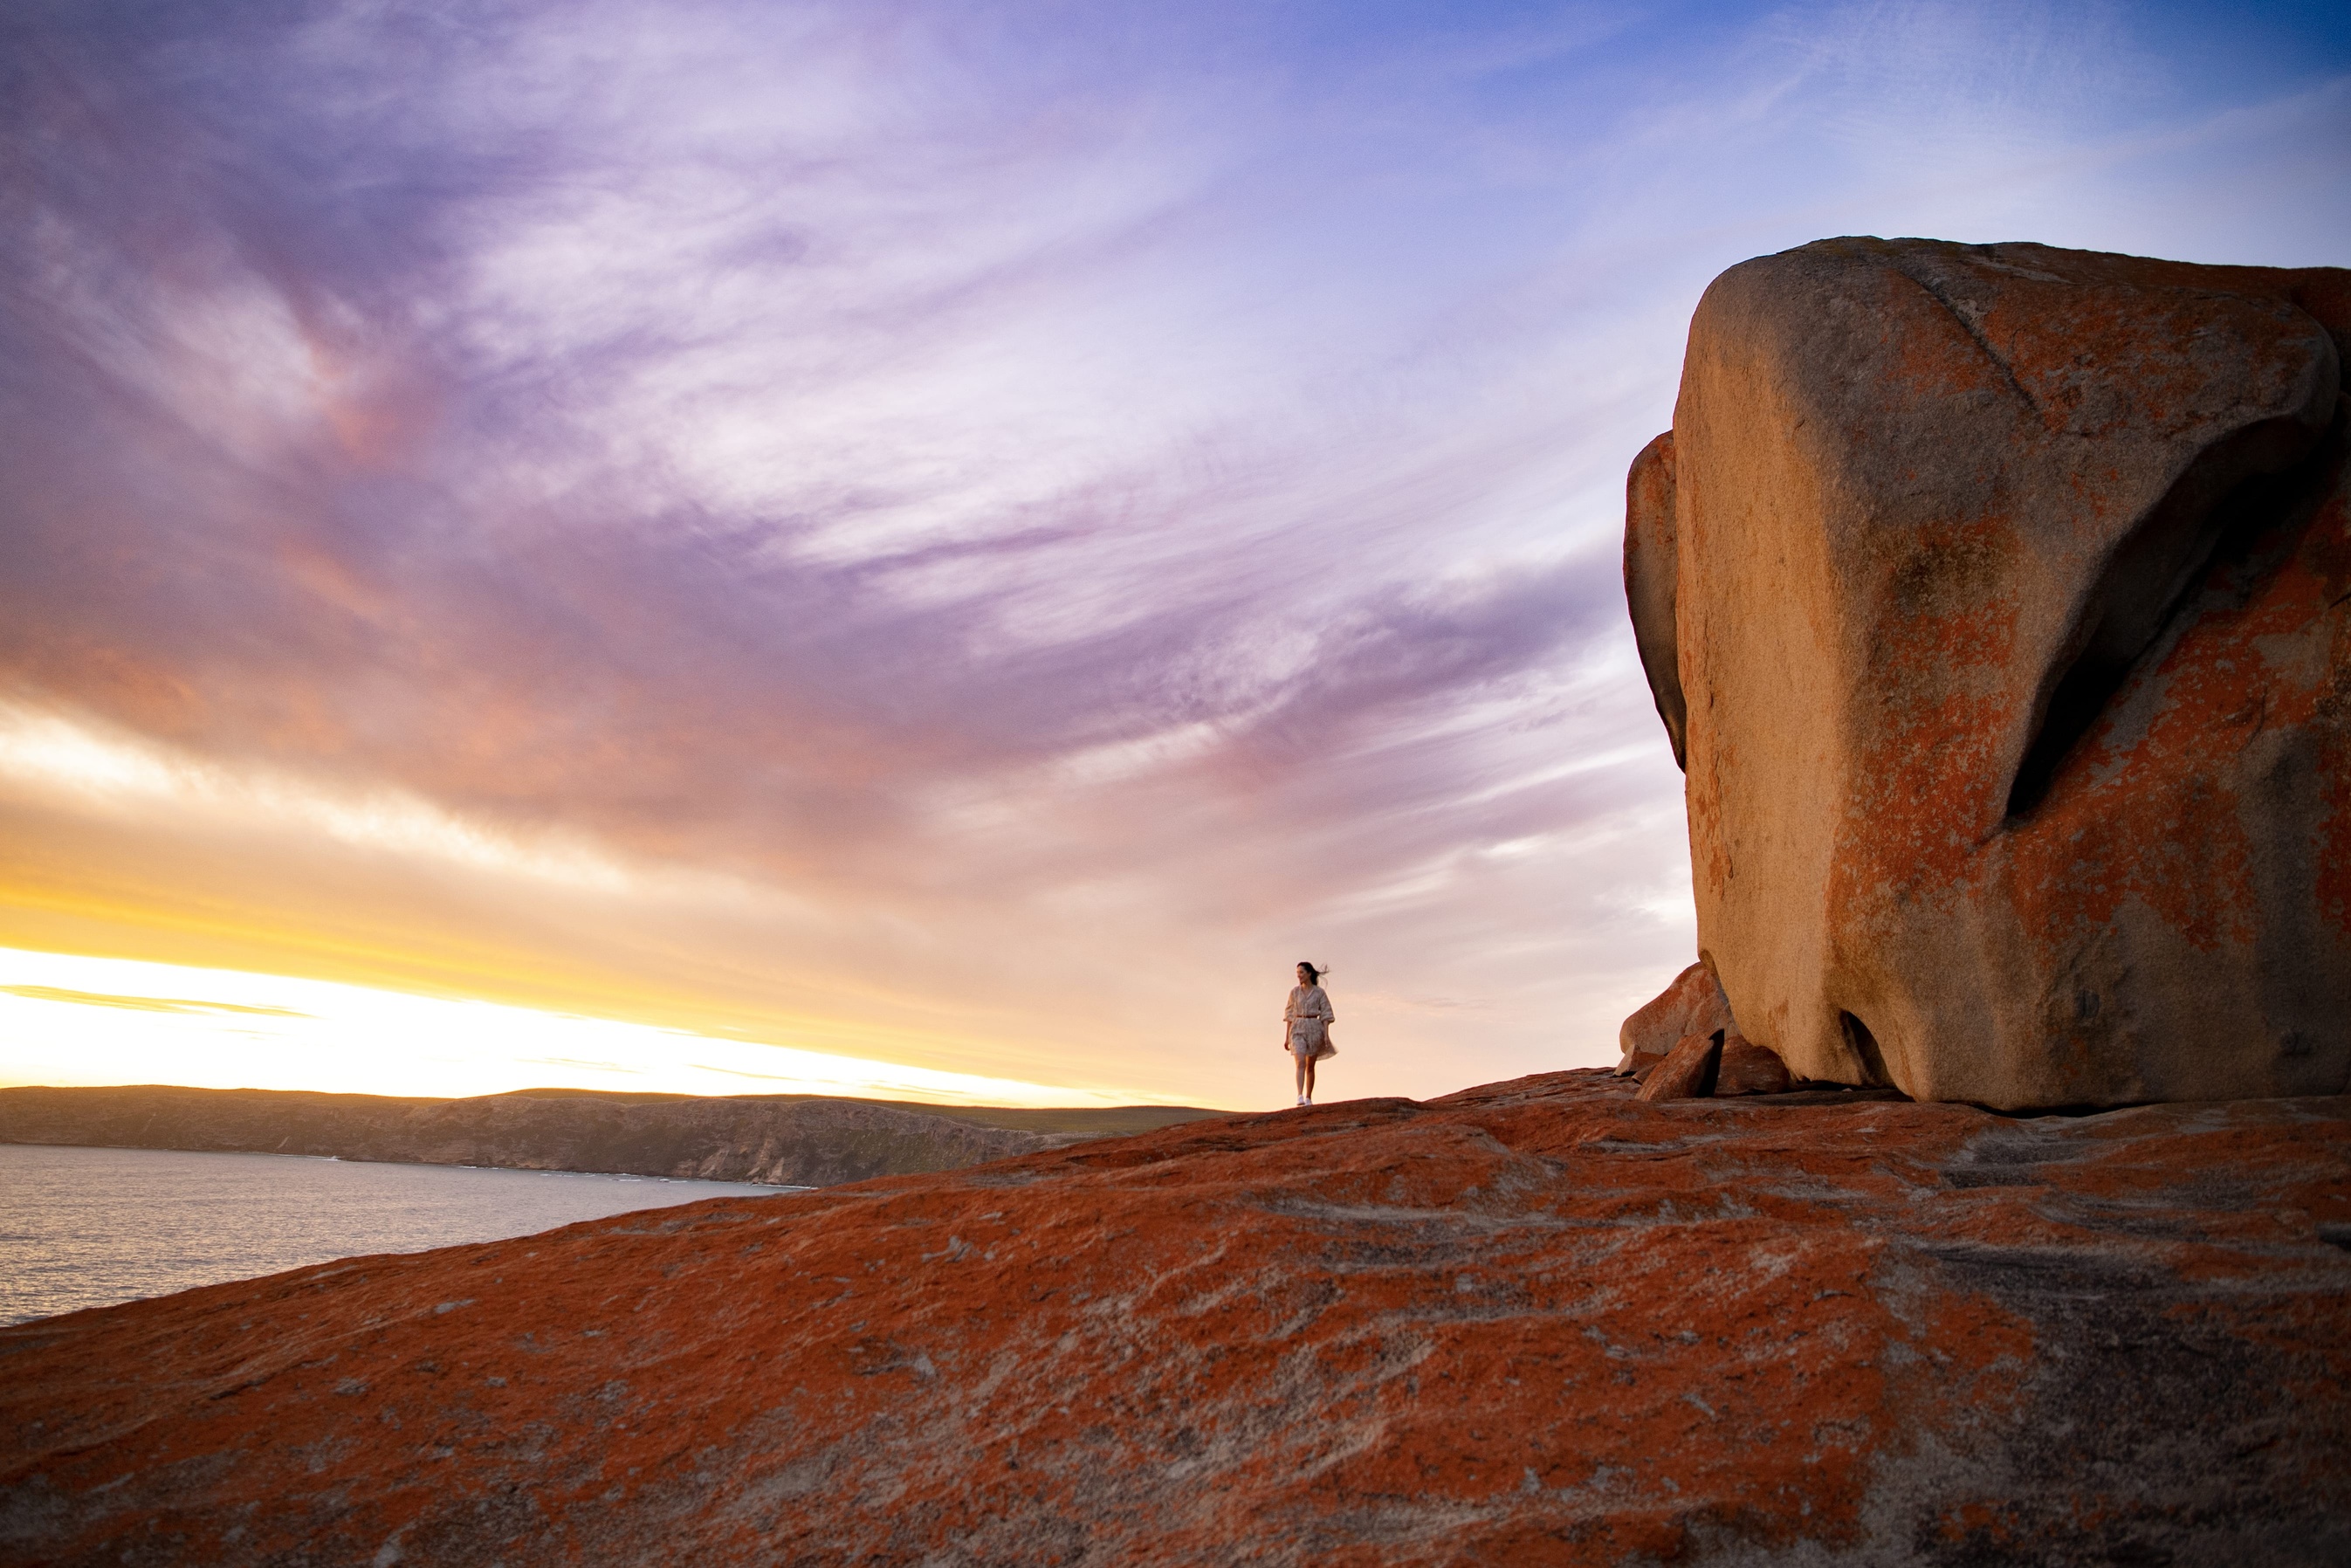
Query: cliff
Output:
(783,1140)
(1538,1323)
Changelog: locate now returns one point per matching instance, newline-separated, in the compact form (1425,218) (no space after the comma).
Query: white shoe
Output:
(1301,1098)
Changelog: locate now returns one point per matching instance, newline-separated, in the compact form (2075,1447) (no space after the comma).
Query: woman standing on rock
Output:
(1306,1028)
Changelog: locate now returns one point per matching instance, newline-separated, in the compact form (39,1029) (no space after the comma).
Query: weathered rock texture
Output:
(786,1140)
(1746,1068)
(2007,610)
(1538,1323)
(1687,1072)
(1693,1004)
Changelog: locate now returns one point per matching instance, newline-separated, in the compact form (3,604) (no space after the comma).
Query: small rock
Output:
(1693,1004)
(1687,1072)
(1748,1068)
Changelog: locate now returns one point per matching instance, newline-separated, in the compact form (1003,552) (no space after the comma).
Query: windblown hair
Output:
(1313,975)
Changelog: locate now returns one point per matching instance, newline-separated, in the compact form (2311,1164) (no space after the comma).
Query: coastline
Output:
(780,1141)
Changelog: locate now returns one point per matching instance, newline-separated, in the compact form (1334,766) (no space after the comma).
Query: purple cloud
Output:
(947,462)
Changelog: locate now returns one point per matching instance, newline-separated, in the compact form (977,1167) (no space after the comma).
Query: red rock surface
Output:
(1535,1323)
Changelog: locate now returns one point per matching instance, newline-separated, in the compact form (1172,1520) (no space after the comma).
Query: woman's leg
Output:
(1306,1072)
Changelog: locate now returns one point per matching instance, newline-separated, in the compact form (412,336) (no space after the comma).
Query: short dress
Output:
(1309,1017)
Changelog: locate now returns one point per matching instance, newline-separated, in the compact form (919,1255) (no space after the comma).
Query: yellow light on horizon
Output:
(68,1019)
(631,972)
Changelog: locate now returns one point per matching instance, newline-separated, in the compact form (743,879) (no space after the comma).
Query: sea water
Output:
(88,1228)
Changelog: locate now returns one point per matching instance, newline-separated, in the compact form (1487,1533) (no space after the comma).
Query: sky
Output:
(928,549)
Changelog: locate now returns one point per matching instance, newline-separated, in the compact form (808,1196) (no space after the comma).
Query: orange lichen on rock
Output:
(1539,1321)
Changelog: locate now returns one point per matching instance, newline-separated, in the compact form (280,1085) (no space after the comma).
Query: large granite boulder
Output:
(1994,599)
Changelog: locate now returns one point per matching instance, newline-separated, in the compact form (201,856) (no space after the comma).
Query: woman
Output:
(1306,1028)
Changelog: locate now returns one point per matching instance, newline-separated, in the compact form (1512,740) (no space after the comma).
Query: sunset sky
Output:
(929,549)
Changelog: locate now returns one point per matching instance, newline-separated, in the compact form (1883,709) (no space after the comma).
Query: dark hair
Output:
(1313,975)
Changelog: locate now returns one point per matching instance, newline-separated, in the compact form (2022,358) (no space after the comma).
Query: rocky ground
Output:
(782,1140)
(1539,1321)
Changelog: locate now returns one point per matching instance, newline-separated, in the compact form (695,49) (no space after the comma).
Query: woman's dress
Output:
(1309,1017)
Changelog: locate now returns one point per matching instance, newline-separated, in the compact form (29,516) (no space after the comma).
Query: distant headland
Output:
(777,1140)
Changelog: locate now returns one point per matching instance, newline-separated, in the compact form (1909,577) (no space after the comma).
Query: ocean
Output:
(88,1228)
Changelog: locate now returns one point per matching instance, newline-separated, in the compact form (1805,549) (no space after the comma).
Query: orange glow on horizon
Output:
(77,1021)
(119,848)
(137,855)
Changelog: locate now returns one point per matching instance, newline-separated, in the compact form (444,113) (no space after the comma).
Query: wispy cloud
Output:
(141,1004)
(1006,492)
